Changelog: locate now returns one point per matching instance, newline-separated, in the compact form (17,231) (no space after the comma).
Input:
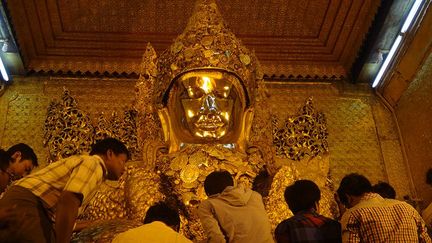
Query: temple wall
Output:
(408,90)
(362,134)
(414,113)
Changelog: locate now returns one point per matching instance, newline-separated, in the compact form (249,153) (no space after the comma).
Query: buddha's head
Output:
(206,106)
(206,84)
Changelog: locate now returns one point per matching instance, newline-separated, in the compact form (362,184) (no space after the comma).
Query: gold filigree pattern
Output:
(105,231)
(315,169)
(108,202)
(276,207)
(261,130)
(67,129)
(122,128)
(189,167)
(149,128)
(129,198)
(142,191)
(301,136)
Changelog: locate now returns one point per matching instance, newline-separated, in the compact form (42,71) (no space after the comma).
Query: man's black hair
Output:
(162,212)
(302,195)
(26,153)
(262,183)
(429,177)
(384,189)
(217,181)
(354,185)
(102,146)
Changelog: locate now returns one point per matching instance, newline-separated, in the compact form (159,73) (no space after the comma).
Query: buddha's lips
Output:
(209,124)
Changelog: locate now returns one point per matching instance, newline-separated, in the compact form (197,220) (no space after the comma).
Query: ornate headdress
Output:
(207,43)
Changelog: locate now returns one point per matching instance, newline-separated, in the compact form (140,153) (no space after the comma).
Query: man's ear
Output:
(16,156)
(109,153)
(350,200)
(317,206)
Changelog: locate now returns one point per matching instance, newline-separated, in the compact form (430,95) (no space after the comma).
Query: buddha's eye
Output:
(195,92)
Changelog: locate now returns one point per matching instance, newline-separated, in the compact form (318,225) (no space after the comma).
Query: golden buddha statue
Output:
(201,107)
(203,89)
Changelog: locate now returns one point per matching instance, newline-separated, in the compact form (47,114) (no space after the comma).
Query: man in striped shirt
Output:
(371,218)
(56,192)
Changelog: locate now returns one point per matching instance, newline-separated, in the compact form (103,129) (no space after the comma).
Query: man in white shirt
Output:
(233,213)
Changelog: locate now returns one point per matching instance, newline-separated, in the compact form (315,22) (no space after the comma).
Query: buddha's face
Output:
(206,106)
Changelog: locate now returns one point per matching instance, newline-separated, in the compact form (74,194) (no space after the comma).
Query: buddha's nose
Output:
(209,104)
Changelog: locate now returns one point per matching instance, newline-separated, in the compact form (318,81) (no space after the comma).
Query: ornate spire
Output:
(149,128)
(207,43)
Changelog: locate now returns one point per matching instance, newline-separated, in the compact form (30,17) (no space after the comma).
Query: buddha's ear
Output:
(167,127)
(245,128)
(247,122)
(165,122)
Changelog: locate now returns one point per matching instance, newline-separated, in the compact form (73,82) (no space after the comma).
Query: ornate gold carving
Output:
(301,136)
(276,207)
(142,191)
(207,43)
(207,46)
(315,169)
(189,167)
(129,198)
(105,231)
(122,128)
(108,202)
(149,128)
(301,150)
(261,130)
(69,131)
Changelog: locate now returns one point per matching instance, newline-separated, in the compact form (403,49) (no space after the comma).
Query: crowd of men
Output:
(43,206)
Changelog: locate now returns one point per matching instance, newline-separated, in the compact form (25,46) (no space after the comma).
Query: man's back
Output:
(156,232)
(308,226)
(237,214)
(375,219)
(81,174)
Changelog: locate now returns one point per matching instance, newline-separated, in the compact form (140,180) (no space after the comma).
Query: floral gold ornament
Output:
(67,130)
(301,136)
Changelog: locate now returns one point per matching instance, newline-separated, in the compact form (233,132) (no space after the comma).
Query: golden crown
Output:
(207,43)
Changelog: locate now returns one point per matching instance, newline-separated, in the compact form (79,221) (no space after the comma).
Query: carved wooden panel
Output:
(304,37)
